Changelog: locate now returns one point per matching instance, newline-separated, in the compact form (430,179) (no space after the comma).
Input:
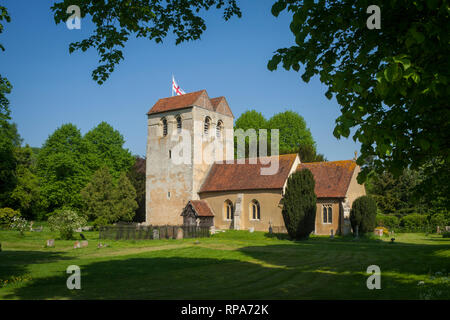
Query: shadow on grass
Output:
(314,269)
(14,263)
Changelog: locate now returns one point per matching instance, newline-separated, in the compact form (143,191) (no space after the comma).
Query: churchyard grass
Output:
(229,265)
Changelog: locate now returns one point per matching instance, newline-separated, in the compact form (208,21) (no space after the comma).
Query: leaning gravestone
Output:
(77,245)
(50,243)
(84,244)
(155,234)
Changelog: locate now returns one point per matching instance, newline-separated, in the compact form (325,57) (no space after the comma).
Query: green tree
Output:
(249,120)
(5,85)
(8,162)
(62,168)
(98,197)
(293,134)
(107,201)
(391,84)
(307,153)
(363,214)
(105,148)
(393,194)
(137,177)
(117,20)
(293,131)
(299,204)
(125,199)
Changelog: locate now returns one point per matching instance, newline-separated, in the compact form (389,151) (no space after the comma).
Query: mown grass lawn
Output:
(230,265)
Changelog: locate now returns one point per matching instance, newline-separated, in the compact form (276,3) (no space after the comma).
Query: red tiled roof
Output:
(220,105)
(215,101)
(235,176)
(176,102)
(332,177)
(202,208)
(197,98)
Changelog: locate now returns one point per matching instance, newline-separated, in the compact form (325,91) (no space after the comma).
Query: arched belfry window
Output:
(219,129)
(179,124)
(228,210)
(255,210)
(207,125)
(164,126)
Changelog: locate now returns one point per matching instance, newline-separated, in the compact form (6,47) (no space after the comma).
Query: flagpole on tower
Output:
(172,85)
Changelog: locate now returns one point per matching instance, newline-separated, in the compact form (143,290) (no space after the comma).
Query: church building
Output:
(192,177)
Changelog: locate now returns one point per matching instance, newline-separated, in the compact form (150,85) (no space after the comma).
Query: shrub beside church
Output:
(299,204)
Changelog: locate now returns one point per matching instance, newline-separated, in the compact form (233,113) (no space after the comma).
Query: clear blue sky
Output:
(52,87)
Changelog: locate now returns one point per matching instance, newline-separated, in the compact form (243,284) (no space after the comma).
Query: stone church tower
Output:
(186,134)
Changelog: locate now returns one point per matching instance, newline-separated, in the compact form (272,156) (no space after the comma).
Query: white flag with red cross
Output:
(176,88)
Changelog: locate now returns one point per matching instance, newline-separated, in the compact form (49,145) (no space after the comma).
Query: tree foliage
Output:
(299,204)
(392,84)
(61,167)
(65,221)
(294,135)
(26,194)
(8,162)
(393,194)
(117,20)
(293,131)
(363,214)
(5,85)
(107,201)
(137,177)
(105,148)
(67,161)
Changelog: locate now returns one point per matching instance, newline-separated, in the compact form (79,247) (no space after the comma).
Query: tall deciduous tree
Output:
(117,20)
(299,204)
(62,168)
(293,131)
(26,194)
(392,83)
(105,148)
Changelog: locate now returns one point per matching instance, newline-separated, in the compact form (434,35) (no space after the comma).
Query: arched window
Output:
(219,129)
(164,125)
(207,124)
(179,125)
(228,210)
(330,215)
(325,214)
(255,210)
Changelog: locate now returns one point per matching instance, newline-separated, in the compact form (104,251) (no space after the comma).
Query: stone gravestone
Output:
(50,243)
(379,232)
(332,234)
(212,230)
(84,243)
(180,233)
(76,245)
(251,229)
(155,234)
